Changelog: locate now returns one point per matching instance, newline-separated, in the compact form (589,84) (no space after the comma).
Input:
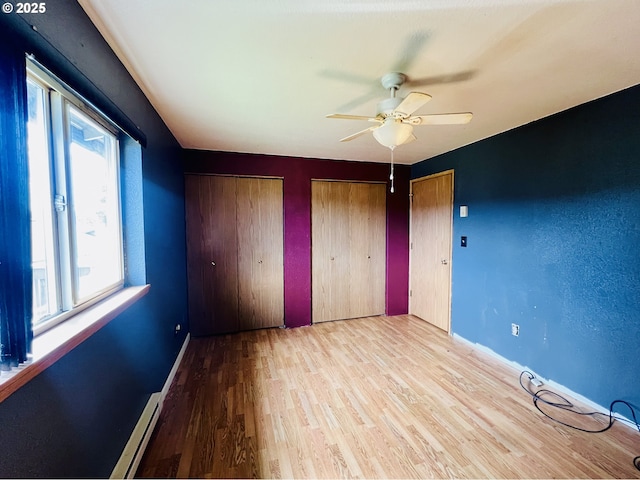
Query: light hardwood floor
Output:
(378,397)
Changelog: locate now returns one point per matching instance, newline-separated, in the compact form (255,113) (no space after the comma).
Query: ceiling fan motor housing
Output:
(393,80)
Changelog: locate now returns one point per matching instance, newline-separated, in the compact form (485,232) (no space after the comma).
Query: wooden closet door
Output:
(431,235)
(367,242)
(212,241)
(377,254)
(329,250)
(260,253)
(348,250)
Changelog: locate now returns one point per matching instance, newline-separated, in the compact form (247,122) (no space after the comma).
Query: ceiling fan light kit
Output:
(393,132)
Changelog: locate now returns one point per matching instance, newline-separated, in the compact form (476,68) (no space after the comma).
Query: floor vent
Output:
(133,451)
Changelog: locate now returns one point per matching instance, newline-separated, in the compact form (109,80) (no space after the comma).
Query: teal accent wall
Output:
(553,232)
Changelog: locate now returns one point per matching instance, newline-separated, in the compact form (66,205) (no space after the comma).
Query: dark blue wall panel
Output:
(74,419)
(553,231)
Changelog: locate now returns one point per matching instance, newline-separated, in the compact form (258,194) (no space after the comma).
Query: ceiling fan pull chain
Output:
(391,174)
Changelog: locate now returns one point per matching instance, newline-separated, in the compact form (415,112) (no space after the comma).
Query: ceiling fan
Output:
(394,119)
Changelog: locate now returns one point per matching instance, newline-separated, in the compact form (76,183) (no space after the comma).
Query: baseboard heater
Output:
(133,451)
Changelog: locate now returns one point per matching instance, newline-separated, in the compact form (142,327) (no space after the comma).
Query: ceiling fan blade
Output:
(410,51)
(353,117)
(357,134)
(349,77)
(373,93)
(441,119)
(441,79)
(411,103)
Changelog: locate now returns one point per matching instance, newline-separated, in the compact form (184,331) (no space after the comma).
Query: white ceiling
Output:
(259,76)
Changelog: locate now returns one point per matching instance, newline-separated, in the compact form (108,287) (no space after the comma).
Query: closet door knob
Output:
(444,261)
(213,263)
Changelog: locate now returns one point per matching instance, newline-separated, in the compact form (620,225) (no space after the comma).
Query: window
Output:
(76,228)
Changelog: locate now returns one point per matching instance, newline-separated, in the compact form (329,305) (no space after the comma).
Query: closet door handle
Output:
(444,261)
(213,263)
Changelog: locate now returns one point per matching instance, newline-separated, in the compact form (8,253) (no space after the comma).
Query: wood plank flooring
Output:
(377,397)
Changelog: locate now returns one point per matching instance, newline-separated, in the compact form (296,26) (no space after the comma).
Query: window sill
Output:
(53,344)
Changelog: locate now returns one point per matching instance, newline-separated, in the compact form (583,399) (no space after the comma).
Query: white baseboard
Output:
(174,369)
(549,383)
(135,447)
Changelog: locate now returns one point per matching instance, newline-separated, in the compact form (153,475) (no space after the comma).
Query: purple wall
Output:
(297,174)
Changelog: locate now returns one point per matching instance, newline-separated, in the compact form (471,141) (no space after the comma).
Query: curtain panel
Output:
(15,222)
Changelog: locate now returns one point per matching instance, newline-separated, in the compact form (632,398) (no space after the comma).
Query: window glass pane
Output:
(45,294)
(93,174)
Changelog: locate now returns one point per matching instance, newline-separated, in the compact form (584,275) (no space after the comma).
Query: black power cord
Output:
(564,404)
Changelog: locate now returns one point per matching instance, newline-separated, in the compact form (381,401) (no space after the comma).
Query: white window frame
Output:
(59,100)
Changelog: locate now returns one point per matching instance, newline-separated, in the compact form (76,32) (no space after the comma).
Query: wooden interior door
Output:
(348,229)
(212,269)
(260,253)
(431,235)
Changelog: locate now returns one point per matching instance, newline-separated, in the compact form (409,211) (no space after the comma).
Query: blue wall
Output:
(553,231)
(74,419)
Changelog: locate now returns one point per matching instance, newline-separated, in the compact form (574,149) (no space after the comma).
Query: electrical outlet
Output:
(177,329)
(535,382)
(515,329)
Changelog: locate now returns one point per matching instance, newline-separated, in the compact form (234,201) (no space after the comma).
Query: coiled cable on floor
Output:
(540,396)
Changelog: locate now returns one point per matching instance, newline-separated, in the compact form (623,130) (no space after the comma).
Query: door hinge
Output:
(411,245)
(410,292)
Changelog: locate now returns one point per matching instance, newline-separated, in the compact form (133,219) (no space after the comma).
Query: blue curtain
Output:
(15,224)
